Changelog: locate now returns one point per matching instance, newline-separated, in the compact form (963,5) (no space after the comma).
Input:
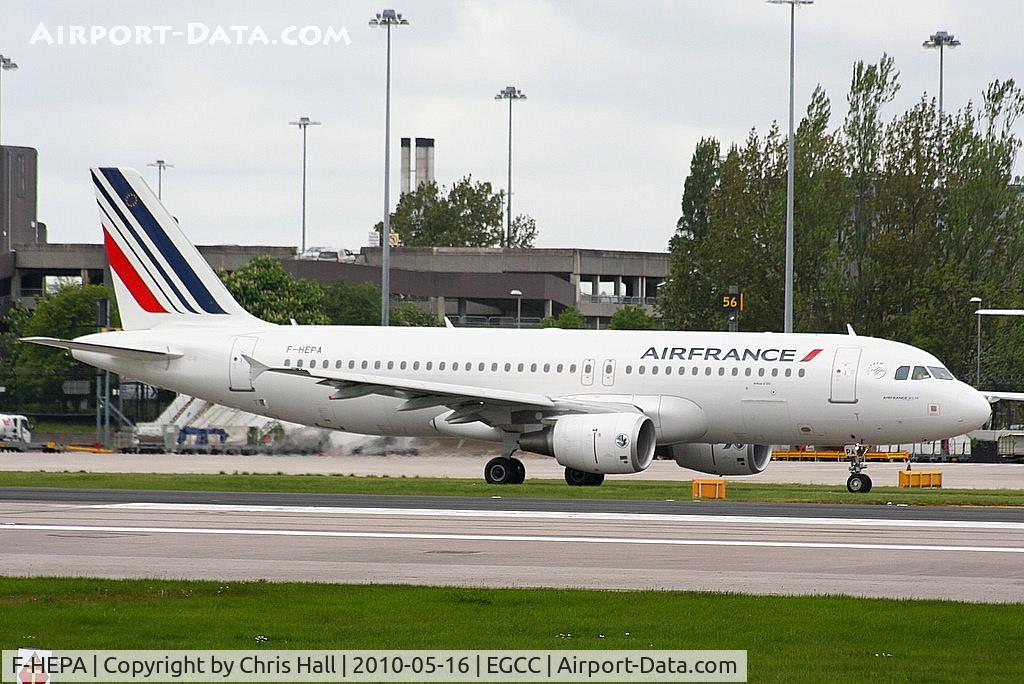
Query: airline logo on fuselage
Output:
(718,354)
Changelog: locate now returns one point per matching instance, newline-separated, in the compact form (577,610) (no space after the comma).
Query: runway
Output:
(777,549)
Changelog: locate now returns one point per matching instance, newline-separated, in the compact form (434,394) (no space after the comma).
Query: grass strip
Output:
(818,639)
(546,489)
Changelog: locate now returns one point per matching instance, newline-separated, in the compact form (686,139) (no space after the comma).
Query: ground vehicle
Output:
(344,256)
(14,432)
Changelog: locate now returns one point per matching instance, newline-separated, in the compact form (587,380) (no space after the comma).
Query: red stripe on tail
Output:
(130,277)
(814,352)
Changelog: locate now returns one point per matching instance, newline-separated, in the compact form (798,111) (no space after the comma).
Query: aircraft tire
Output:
(518,471)
(858,484)
(500,470)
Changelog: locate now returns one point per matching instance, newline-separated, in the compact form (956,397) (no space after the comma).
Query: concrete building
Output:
(470,286)
(19,224)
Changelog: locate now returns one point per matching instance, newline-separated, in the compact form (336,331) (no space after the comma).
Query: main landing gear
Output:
(581,478)
(505,470)
(858,482)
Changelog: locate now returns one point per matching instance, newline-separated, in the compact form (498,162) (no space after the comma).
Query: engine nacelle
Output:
(607,443)
(720,459)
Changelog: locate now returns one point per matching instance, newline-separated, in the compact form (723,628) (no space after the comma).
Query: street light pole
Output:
(387,18)
(303,123)
(518,294)
(6,64)
(976,301)
(160,165)
(788,307)
(940,40)
(510,93)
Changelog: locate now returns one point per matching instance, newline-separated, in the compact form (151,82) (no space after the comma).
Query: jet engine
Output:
(606,443)
(720,459)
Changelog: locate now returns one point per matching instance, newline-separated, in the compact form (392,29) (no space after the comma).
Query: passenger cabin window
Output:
(920,373)
(941,373)
(287,362)
(902,372)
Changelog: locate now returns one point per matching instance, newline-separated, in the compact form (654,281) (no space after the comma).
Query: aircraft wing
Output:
(993,397)
(469,403)
(124,352)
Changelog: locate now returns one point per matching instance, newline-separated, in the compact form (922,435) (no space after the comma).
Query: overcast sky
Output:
(618,94)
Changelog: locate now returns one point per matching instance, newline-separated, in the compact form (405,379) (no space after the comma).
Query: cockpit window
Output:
(902,372)
(920,373)
(941,373)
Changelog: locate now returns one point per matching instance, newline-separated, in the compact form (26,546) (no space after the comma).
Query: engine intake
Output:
(607,443)
(720,459)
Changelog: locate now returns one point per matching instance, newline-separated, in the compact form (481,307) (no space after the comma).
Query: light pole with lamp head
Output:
(510,93)
(387,18)
(940,40)
(160,165)
(976,301)
(788,307)
(518,294)
(303,123)
(7,64)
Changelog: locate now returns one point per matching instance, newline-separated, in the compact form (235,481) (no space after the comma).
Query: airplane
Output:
(598,402)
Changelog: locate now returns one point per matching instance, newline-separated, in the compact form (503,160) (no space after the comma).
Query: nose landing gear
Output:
(858,481)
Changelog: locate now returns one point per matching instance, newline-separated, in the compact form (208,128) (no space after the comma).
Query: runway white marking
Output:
(567,515)
(15,527)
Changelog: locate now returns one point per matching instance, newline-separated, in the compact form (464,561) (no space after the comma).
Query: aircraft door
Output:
(844,375)
(587,374)
(239,371)
(608,372)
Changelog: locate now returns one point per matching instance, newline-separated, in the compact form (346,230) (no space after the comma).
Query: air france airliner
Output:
(598,402)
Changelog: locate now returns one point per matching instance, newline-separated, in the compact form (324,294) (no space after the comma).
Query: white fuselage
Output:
(748,387)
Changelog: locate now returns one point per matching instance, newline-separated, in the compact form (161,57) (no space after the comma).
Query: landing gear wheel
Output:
(858,484)
(518,471)
(581,478)
(500,471)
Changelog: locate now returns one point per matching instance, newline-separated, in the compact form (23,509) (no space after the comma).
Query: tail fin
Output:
(160,279)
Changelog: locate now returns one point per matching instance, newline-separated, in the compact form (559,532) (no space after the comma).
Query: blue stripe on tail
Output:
(163,243)
(127,224)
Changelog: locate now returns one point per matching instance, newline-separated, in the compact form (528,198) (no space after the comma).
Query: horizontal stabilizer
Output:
(123,352)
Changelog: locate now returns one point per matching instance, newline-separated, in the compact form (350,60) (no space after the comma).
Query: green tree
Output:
(267,291)
(408,314)
(569,318)
(352,303)
(697,189)
(466,214)
(523,233)
(898,222)
(631,317)
(359,304)
(34,374)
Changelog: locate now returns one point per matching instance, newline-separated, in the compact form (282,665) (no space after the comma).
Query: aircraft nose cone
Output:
(977,410)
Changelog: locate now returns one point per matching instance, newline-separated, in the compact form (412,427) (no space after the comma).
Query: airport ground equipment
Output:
(709,489)
(924,479)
